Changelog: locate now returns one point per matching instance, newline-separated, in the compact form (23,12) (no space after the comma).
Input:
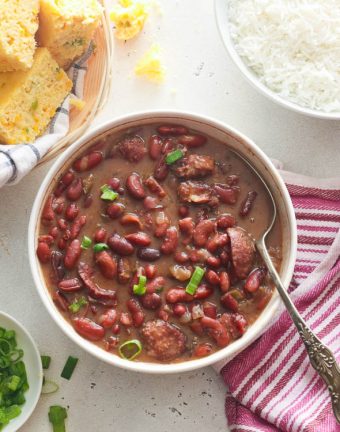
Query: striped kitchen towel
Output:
(16,161)
(271,384)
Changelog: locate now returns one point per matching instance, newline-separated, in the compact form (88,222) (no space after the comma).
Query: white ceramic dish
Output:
(216,130)
(221,12)
(33,369)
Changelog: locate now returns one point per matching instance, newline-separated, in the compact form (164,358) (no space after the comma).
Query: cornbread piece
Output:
(18,25)
(29,99)
(129,17)
(66,27)
(150,65)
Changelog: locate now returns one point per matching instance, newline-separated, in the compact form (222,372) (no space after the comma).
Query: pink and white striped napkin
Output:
(271,384)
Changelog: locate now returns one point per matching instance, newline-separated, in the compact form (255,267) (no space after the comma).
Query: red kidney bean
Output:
(254,280)
(48,214)
(73,252)
(89,329)
(233,180)
(67,235)
(170,242)
(203,349)
(179,309)
(77,226)
(151,301)
(151,203)
(139,238)
(88,201)
(150,271)
(88,161)
(61,244)
(240,322)
(71,211)
(161,170)
(65,181)
(210,310)
(197,328)
(187,227)
(155,187)
(108,318)
(120,245)
(115,329)
(115,210)
(248,203)
(62,224)
(216,330)
(156,285)
(168,146)
(162,314)
(229,302)
(100,235)
(135,186)
(54,232)
(192,140)
(58,205)
(126,319)
(155,147)
(136,311)
(46,239)
(70,285)
(170,129)
(106,264)
(177,295)
(148,254)
(131,219)
(212,277)
(224,281)
(202,231)
(124,270)
(217,241)
(114,183)
(75,190)
(213,262)
(226,194)
(225,221)
(181,257)
(60,300)
(57,264)
(183,211)
(162,223)
(43,252)
(203,291)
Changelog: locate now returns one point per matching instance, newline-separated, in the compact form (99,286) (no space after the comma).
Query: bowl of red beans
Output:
(142,241)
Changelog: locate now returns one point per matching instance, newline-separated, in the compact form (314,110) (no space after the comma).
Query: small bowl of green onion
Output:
(20,374)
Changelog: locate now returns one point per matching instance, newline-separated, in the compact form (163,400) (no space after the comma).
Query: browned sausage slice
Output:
(163,340)
(132,148)
(242,251)
(195,166)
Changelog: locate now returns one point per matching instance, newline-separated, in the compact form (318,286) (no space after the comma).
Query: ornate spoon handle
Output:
(321,357)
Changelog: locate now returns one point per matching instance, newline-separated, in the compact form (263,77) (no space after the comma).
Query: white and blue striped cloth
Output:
(16,161)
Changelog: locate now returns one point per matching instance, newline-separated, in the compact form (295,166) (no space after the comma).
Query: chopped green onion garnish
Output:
(98,247)
(77,304)
(174,156)
(86,242)
(70,364)
(107,193)
(49,387)
(45,361)
(140,289)
(195,280)
(57,416)
(130,349)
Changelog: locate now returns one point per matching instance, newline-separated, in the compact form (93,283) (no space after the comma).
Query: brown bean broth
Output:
(255,224)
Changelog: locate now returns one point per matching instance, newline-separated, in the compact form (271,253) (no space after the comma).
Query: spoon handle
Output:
(321,357)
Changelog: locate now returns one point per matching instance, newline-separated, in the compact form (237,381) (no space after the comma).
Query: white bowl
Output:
(33,369)
(218,131)
(221,12)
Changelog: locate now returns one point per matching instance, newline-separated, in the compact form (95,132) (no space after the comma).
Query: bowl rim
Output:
(148,367)
(24,416)
(223,28)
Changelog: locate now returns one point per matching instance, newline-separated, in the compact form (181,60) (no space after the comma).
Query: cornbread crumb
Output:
(150,65)
(77,103)
(66,27)
(18,25)
(29,99)
(129,17)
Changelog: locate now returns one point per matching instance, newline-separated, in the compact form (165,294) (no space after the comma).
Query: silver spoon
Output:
(321,357)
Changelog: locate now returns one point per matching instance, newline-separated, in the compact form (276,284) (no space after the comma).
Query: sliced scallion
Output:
(195,280)
(174,156)
(69,367)
(107,193)
(57,416)
(130,349)
(86,242)
(49,387)
(98,247)
(45,361)
(140,289)
(77,304)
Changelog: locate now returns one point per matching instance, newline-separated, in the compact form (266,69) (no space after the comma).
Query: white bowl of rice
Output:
(287,49)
